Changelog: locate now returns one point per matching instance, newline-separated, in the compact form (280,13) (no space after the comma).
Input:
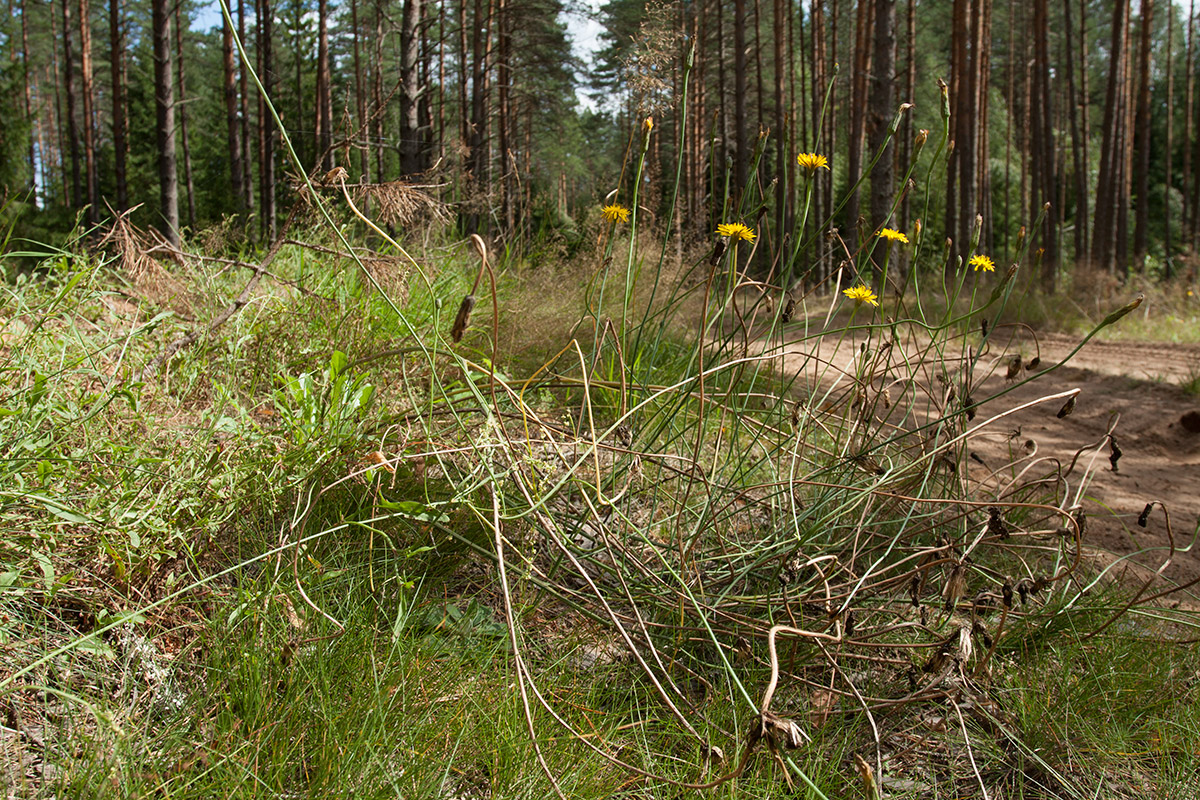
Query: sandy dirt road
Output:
(1157,429)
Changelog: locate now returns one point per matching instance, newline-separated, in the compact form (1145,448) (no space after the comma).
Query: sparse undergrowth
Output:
(272,569)
(341,523)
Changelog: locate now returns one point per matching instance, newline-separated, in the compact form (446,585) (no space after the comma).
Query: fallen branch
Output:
(238,303)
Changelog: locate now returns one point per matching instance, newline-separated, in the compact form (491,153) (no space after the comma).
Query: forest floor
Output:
(1149,392)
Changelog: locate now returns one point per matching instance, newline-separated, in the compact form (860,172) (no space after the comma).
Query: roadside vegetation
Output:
(383,516)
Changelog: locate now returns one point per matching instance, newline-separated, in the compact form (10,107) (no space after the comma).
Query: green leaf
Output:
(337,364)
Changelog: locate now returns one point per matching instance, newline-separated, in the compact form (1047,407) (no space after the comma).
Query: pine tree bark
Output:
(882,107)
(232,126)
(120,120)
(1078,144)
(1141,143)
(266,122)
(164,103)
(87,88)
(1110,153)
(360,99)
(75,187)
(479,145)
(29,117)
(504,115)
(1170,150)
(1188,239)
(858,106)
(183,117)
(244,95)
(958,70)
(411,145)
(1042,145)
(324,91)
(741,159)
(781,161)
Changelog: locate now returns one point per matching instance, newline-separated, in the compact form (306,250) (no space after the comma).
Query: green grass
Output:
(327,550)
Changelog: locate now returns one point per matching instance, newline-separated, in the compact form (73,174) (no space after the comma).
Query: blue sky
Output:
(583,28)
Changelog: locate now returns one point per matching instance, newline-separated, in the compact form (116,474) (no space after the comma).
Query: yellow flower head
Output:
(861,294)
(736,231)
(615,213)
(982,262)
(648,124)
(812,162)
(893,236)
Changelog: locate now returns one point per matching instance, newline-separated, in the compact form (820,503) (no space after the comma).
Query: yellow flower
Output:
(893,236)
(736,231)
(648,124)
(812,162)
(861,294)
(615,213)
(982,262)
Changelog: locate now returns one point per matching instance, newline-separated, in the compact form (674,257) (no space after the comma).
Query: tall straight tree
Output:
(741,158)
(120,119)
(244,95)
(87,88)
(881,108)
(478,143)
(858,108)
(1078,144)
(75,187)
(324,90)
(504,114)
(164,104)
(1188,127)
(233,137)
(183,116)
(781,171)
(411,148)
(1141,140)
(266,121)
(360,99)
(30,121)
(1111,155)
(1041,139)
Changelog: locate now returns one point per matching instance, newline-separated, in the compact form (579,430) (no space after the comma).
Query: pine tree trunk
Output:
(299,120)
(1078,145)
(741,159)
(183,118)
(479,155)
(1106,184)
(1042,145)
(781,161)
(882,107)
(360,99)
(75,194)
(1141,143)
(505,116)
(324,92)
(1124,153)
(29,117)
(164,103)
(958,70)
(120,120)
(1188,239)
(910,88)
(88,91)
(247,170)
(266,122)
(1170,150)
(410,88)
(858,115)
(233,143)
